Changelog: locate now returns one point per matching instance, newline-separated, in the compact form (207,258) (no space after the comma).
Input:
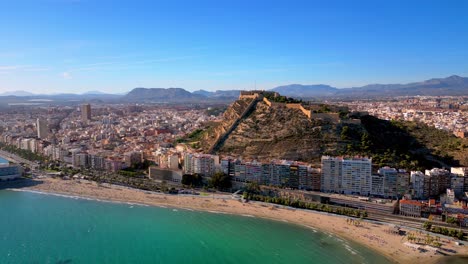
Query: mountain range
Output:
(453,85)
(450,86)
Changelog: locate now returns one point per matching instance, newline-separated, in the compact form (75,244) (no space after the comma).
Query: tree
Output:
(452,220)
(345,133)
(366,143)
(427,225)
(252,187)
(192,180)
(221,181)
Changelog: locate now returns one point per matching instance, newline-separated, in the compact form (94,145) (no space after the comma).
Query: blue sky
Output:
(50,46)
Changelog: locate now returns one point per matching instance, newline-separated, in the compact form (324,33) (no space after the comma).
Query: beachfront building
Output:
(417,179)
(377,185)
(280,173)
(27,144)
(96,162)
(331,174)
(403,183)
(315,176)
(55,152)
(298,177)
(459,181)
(202,164)
(356,176)
(228,165)
(346,175)
(411,208)
(10,172)
(390,176)
(439,181)
(248,172)
(458,185)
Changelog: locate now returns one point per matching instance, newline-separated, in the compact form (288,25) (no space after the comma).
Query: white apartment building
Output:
(346,175)
(331,174)
(417,181)
(356,176)
(199,164)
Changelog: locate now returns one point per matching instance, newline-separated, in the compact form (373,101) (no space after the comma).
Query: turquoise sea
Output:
(40,228)
(2,160)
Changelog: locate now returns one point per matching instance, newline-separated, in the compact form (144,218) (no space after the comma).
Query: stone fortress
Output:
(312,111)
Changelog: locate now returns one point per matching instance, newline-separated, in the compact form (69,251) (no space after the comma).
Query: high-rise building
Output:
(42,128)
(439,181)
(331,174)
(199,164)
(346,175)
(356,176)
(315,177)
(85,112)
(403,182)
(377,185)
(390,181)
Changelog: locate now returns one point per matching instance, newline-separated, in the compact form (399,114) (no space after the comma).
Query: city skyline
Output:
(80,46)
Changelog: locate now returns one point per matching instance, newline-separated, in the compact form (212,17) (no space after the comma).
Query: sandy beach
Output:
(369,234)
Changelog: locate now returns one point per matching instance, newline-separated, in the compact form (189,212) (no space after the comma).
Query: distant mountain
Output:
(203,93)
(161,95)
(233,94)
(304,91)
(94,93)
(453,85)
(17,93)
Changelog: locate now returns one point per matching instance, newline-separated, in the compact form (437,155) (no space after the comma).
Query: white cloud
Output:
(9,67)
(66,75)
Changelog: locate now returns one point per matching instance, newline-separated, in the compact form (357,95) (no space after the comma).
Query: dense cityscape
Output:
(144,141)
(443,112)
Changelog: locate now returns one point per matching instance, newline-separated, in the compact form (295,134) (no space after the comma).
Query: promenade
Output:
(17,159)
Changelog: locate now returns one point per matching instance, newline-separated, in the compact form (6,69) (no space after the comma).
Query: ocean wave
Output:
(247,215)
(350,249)
(76,197)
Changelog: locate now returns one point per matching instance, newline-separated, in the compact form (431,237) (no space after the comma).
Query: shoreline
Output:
(370,235)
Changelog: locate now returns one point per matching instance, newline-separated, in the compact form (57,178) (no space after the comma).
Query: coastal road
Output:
(17,159)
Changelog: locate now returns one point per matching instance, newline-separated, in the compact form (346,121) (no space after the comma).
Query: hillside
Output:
(266,133)
(160,95)
(270,133)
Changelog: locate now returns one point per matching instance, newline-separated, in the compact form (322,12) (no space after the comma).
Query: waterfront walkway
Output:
(17,159)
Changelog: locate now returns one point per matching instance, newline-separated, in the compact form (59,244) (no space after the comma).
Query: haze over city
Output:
(55,46)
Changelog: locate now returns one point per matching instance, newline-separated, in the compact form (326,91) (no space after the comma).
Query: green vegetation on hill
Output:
(403,144)
(193,138)
(281,99)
